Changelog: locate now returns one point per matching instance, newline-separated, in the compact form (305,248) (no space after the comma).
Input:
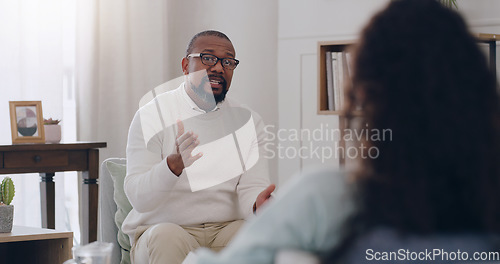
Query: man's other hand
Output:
(263,197)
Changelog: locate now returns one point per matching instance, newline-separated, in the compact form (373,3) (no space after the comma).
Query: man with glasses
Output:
(194,178)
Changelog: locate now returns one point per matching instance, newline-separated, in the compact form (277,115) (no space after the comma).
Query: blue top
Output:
(307,214)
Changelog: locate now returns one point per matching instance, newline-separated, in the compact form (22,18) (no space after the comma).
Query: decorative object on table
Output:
(26,122)
(7,192)
(52,130)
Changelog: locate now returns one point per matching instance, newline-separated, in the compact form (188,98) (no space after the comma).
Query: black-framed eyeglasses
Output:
(211,60)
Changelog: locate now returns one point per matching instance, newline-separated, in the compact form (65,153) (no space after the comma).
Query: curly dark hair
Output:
(419,72)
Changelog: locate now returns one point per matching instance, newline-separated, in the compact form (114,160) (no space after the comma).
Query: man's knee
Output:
(226,235)
(166,233)
(164,243)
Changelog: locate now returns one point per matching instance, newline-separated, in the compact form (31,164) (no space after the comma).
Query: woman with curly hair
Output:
(420,73)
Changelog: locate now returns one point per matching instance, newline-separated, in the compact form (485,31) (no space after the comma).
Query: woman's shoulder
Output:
(323,188)
(325,178)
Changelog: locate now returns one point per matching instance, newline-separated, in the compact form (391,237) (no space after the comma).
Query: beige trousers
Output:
(168,243)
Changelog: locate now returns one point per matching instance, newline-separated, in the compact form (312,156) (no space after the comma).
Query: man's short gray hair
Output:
(215,33)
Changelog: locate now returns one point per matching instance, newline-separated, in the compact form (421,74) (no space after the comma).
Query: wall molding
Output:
(342,35)
(484,22)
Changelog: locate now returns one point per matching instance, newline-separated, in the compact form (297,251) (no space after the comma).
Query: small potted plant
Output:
(7,192)
(52,130)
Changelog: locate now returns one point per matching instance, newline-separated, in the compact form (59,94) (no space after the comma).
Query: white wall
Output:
(301,25)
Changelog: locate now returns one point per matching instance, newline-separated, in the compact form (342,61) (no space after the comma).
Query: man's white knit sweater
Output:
(221,186)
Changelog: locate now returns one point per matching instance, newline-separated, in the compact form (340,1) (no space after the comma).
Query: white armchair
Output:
(111,175)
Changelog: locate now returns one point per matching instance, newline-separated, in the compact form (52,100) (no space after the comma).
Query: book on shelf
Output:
(349,62)
(338,73)
(346,80)
(341,78)
(329,80)
(336,80)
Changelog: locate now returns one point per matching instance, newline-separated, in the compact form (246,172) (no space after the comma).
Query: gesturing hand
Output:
(185,144)
(263,197)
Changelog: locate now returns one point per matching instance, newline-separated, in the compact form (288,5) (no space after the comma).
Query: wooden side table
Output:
(35,245)
(47,159)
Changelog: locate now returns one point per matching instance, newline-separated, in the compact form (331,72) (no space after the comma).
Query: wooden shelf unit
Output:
(35,245)
(491,40)
(342,45)
(323,48)
(488,36)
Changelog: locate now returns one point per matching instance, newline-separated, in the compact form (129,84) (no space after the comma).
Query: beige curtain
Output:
(121,55)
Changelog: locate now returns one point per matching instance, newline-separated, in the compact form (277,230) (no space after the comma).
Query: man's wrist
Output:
(171,163)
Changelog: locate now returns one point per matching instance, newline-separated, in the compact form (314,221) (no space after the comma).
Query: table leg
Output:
(90,196)
(48,201)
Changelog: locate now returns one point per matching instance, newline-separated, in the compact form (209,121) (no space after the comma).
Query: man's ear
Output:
(185,65)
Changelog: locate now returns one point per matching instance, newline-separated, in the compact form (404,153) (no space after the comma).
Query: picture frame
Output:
(26,122)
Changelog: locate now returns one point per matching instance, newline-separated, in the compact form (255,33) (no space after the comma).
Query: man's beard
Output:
(209,97)
(220,97)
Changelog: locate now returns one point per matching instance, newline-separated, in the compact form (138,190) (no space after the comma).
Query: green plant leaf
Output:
(449,3)
(7,190)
